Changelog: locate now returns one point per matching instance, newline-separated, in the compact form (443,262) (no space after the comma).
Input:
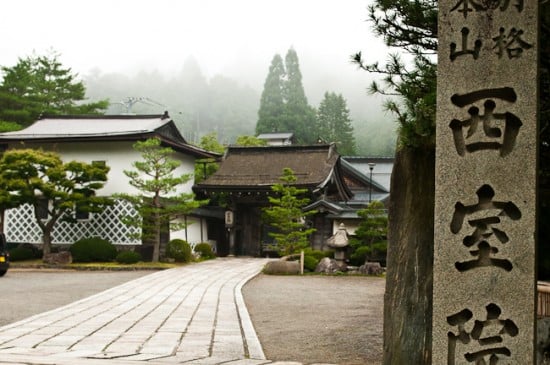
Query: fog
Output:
(205,61)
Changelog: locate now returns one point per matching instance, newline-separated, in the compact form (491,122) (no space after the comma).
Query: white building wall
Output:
(119,156)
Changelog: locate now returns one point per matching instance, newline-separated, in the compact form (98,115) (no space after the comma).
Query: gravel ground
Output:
(323,319)
(24,292)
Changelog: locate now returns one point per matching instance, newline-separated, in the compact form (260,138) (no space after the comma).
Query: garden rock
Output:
(282,267)
(61,258)
(371,268)
(329,266)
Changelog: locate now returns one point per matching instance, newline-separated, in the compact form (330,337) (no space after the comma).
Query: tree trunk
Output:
(156,240)
(409,278)
(46,243)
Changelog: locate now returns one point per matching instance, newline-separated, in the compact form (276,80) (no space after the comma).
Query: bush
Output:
(205,251)
(310,263)
(359,256)
(94,249)
(21,253)
(128,257)
(179,250)
(317,254)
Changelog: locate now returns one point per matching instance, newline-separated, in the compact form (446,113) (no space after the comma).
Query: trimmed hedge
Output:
(179,250)
(310,263)
(94,249)
(128,257)
(21,253)
(205,251)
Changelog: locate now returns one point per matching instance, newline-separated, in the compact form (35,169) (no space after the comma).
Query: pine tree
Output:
(334,123)
(272,106)
(41,85)
(299,115)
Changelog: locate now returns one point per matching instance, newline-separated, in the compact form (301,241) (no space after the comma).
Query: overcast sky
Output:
(128,35)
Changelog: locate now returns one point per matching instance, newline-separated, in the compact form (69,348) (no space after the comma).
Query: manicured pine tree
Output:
(272,106)
(334,123)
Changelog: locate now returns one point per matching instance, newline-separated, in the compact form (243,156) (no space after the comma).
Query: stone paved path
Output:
(189,315)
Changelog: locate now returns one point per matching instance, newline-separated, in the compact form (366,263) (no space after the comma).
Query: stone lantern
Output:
(339,242)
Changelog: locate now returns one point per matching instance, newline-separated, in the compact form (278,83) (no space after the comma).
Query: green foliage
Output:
(283,105)
(128,257)
(207,166)
(310,263)
(41,85)
(318,254)
(250,141)
(34,176)
(272,105)
(334,123)
(21,253)
(179,250)
(286,216)
(370,237)
(158,201)
(410,26)
(9,126)
(93,249)
(205,251)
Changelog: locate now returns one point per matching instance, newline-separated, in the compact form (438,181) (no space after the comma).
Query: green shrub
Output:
(358,257)
(179,250)
(310,263)
(128,257)
(21,254)
(317,254)
(205,251)
(94,249)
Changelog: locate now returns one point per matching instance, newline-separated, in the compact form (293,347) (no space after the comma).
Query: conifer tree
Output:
(272,106)
(334,123)
(41,85)
(299,115)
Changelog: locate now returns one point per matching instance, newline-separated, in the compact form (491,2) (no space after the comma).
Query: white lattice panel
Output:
(21,226)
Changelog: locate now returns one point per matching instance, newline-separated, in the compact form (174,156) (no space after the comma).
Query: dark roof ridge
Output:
(105,116)
(282,147)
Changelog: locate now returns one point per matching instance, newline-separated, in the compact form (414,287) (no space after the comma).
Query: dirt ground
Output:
(318,319)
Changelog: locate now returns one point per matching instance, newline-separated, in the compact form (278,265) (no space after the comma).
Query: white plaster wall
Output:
(194,227)
(119,156)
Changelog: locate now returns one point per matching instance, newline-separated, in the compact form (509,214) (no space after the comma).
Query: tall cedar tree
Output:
(334,123)
(272,105)
(412,27)
(286,216)
(41,85)
(299,115)
(157,203)
(41,179)
(284,106)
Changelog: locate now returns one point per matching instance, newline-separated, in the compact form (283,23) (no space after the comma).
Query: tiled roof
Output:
(103,128)
(263,166)
(87,126)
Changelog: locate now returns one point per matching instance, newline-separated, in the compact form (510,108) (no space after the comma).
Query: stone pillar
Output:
(486,174)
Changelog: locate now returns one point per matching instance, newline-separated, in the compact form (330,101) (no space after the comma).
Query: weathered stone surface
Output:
(371,268)
(61,258)
(486,174)
(329,266)
(280,267)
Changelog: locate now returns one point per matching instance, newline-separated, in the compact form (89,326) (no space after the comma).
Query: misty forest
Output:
(306,102)
(200,105)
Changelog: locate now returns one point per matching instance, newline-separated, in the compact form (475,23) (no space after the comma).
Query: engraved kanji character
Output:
(465,51)
(512,43)
(486,333)
(491,136)
(484,230)
(468,6)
